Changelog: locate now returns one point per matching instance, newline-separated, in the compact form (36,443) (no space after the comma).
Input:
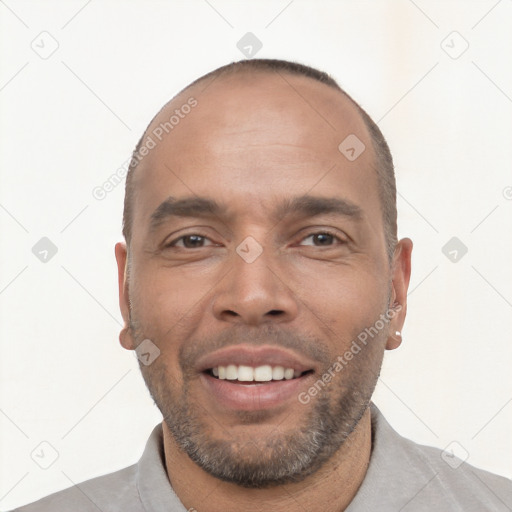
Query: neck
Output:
(330,489)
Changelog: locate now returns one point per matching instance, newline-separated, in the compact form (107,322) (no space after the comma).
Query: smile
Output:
(263,373)
(248,378)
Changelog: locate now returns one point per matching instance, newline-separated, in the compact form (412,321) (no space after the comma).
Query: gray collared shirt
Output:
(402,476)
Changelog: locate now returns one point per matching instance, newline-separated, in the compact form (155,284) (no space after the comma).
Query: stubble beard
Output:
(281,457)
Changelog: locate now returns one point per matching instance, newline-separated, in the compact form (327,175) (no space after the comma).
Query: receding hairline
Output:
(238,70)
(381,161)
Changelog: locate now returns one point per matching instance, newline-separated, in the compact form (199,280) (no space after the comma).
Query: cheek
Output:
(168,301)
(345,298)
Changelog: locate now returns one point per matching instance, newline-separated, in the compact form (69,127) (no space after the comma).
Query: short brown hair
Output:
(384,161)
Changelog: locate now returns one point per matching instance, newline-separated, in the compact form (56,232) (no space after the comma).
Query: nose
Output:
(255,293)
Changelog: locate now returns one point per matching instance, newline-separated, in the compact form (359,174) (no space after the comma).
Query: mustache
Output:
(302,343)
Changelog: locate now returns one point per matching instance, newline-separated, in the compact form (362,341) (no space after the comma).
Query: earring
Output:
(397,335)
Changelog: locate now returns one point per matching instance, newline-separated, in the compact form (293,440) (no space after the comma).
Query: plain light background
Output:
(70,121)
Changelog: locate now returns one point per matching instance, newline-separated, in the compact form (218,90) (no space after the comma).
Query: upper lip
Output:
(254,356)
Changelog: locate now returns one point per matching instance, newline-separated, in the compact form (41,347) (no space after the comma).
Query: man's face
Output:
(312,275)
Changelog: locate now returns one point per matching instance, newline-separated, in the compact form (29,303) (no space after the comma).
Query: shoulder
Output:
(438,476)
(114,491)
(458,482)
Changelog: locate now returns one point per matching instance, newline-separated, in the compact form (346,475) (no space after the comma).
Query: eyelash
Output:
(326,232)
(322,232)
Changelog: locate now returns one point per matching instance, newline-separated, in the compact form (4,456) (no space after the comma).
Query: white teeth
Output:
(231,372)
(277,373)
(288,373)
(246,373)
(264,373)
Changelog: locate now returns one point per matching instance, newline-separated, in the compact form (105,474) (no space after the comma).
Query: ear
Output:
(125,336)
(401,273)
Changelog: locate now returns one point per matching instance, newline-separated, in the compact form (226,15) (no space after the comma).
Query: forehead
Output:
(253,138)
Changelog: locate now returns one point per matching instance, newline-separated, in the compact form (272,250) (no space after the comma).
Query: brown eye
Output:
(321,239)
(189,242)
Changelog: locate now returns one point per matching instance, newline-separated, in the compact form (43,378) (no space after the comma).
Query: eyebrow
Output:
(185,207)
(303,206)
(310,206)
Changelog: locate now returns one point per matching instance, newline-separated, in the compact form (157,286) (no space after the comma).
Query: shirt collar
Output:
(390,461)
(153,484)
(392,478)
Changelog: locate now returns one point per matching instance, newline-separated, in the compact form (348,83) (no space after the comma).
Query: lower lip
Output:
(253,397)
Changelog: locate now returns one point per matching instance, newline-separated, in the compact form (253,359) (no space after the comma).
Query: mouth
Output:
(242,374)
(248,378)
(244,378)
(255,395)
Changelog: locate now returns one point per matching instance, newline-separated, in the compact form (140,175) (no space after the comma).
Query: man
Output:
(260,284)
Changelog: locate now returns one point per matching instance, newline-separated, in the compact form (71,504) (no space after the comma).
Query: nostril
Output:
(275,312)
